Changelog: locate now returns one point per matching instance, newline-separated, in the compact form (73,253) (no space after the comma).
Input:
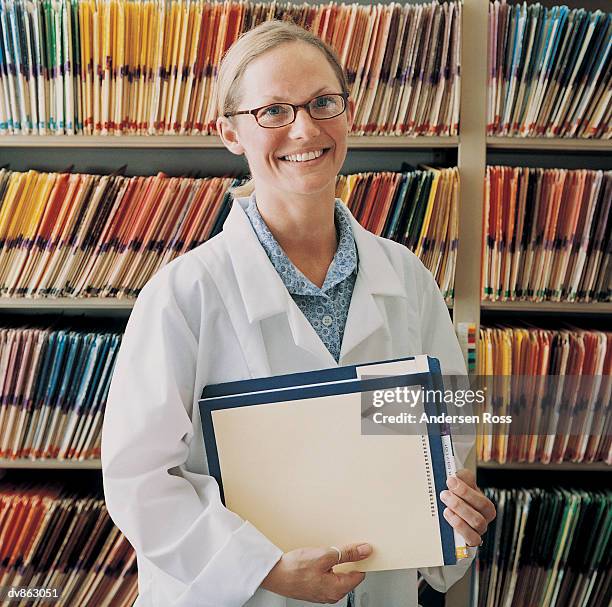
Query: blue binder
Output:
(327,382)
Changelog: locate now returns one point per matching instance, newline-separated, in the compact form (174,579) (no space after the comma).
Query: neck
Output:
(304,227)
(298,220)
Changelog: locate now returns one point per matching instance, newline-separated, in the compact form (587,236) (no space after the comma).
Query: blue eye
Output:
(272,111)
(325,101)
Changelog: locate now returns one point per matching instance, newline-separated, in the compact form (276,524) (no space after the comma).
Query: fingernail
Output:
(444,495)
(364,549)
(451,483)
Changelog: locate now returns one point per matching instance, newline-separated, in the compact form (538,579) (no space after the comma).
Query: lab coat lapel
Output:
(262,290)
(364,317)
(367,324)
(306,337)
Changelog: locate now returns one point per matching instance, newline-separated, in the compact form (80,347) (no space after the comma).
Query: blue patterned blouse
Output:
(326,308)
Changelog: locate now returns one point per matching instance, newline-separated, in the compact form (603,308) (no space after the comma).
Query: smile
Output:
(306,157)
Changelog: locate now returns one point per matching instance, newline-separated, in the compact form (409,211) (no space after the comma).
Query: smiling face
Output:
(294,72)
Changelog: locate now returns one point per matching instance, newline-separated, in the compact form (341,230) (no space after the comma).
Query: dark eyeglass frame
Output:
(306,105)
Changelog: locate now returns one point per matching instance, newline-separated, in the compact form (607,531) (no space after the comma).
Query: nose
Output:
(304,126)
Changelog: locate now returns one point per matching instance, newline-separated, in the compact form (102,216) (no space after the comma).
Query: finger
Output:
(349,553)
(342,583)
(467,476)
(487,509)
(469,535)
(473,496)
(347,581)
(471,516)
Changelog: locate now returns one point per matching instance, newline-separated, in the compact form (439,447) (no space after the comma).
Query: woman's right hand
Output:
(306,573)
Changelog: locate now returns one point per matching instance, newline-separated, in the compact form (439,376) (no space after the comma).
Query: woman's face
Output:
(294,72)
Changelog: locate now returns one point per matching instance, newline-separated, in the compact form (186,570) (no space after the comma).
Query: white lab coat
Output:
(221,313)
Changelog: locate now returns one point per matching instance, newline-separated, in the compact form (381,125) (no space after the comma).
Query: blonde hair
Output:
(249,46)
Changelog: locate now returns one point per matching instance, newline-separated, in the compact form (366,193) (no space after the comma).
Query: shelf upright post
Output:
(471,161)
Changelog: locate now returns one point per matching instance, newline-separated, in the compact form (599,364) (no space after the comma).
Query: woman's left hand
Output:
(468,510)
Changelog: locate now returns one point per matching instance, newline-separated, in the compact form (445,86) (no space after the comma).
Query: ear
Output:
(350,113)
(229,135)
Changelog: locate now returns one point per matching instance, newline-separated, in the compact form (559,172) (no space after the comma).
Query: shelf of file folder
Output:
(544,235)
(550,467)
(54,388)
(402,63)
(552,307)
(545,547)
(381,142)
(51,464)
(115,231)
(549,143)
(67,547)
(548,71)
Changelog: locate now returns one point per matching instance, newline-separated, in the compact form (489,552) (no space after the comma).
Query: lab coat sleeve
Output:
(439,340)
(173,518)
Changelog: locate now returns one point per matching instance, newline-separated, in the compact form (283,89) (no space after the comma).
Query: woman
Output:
(293,283)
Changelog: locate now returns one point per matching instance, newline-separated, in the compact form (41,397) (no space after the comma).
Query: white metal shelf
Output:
(51,463)
(354,141)
(551,307)
(538,466)
(65,303)
(205,141)
(95,464)
(75,304)
(549,143)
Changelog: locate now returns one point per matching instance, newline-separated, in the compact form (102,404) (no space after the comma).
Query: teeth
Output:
(303,157)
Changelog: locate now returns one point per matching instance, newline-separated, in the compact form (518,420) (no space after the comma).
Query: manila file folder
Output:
(290,456)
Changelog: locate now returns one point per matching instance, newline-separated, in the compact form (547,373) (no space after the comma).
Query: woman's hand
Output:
(306,574)
(468,510)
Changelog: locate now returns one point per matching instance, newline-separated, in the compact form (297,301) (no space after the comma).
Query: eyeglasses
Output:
(276,115)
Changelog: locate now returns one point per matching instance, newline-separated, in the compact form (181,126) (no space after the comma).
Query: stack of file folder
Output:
(294,455)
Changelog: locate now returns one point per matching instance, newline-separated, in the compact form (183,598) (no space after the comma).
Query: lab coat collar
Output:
(374,265)
(262,289)
(265,295)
